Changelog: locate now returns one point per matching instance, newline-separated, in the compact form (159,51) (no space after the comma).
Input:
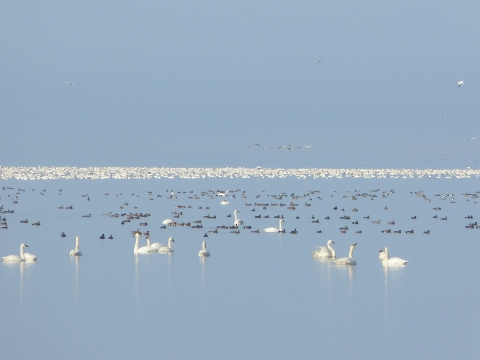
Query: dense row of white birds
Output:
(97,173)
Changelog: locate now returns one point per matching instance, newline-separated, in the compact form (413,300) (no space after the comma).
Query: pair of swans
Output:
(388,261)
(150,248)
(237,221)
(274,229)
(160,247)
(23,256)
(325,252)
(204,251)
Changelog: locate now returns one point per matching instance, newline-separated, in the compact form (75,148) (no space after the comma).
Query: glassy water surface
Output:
(257,295)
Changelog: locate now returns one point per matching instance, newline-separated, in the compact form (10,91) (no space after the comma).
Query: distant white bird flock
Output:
(98,173)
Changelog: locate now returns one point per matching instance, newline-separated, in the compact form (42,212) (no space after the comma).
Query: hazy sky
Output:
(193,83)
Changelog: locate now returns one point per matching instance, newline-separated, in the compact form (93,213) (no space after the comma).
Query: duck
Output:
(166,248)
(395,261)
(204,251)
(325,252)
(102,236)
(76,251)
(347,260)
(14,258)
(63,234)
(274,229)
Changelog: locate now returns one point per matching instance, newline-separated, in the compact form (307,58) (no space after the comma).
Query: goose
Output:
(274,229)
(395,261)
(325,252)
(347,260)
(237,221)
(168,248)
(11,258)
(143,249)
(77,251)
(204,251)
(155,246)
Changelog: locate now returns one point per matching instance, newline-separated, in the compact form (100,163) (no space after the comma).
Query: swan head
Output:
(23,245)
(171,239)
(330,242)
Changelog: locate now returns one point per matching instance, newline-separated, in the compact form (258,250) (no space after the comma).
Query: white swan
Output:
(395,261)
(155,246)
(11,258)
(143,249)
(77,251)
(167,221)
(347,260)
(29,257)
(325,252)
(166,248)
(237,221)
(204,251)
(274,229)
(224,202)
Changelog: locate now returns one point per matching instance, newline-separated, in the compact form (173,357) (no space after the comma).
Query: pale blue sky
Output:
(194,83)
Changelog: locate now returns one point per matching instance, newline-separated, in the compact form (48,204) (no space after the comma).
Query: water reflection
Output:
(22,265)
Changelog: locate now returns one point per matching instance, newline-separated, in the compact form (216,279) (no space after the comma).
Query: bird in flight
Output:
(460,83)
(472,138)
(308,146)
(70,83)
(253,145)
(318,60)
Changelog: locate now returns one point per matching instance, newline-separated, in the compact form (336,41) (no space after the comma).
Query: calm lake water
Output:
(257,295)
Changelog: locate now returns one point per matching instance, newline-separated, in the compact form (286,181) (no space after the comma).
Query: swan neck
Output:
(280,225)
(136,242)
(148,241)
(77,245)
(350,254)
(22,256)
(386,254)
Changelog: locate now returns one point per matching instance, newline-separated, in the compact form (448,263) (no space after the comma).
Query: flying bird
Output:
(472,138)
(460,83)
(70,83)
(308,146)
(253,145)
(318,60)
